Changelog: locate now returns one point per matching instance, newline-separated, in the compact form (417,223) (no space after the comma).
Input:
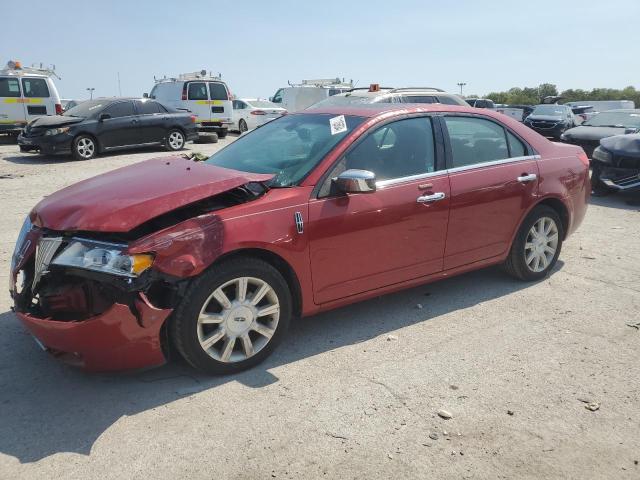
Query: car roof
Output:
(622,110)
(375,109)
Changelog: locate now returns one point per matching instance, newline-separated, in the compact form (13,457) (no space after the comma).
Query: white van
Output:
(26,93)
(204,95)
(297,97)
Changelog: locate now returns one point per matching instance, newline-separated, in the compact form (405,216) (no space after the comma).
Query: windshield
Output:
(289,147)
(615,119)
(551,110)
(85,109)
(342,100)
(262,104)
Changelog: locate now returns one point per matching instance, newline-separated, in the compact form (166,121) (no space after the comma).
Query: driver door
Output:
(362,242)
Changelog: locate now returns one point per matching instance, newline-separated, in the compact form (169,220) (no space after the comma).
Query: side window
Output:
(149,108)
(218,91)
(35,87)
(419,99)
(449,101)
(475,140)
(9,87)
(122,109)
(277,98)
(516,147)
(398,149)
(197,91)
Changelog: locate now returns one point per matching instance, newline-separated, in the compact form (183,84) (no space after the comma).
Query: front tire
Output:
(242,126)
(232,317)
(175,140)
(84,147)
(222,133)
(537,245)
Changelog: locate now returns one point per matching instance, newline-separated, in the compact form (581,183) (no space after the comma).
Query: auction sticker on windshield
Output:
(338,124)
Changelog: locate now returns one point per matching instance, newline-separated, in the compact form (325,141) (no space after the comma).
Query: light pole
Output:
(90,90)
(461,84)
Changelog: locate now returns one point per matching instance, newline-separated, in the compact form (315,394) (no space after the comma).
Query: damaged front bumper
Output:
(113,340)
(621,178)
(97,321)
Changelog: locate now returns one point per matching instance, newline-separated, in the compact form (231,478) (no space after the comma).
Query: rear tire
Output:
(84,147)
(220,339)
(222,133)
(537,245)
(175,140)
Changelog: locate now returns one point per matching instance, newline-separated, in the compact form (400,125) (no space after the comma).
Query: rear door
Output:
(198,100)
(12,109)
(122,128)
(221,108)
(38,99)
(494,181)
(151,116)
(362,242)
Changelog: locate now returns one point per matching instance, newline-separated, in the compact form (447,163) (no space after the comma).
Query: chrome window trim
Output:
(493,163)
(411,178)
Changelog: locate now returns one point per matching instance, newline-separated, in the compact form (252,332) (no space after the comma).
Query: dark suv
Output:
(375,94)
(551,120)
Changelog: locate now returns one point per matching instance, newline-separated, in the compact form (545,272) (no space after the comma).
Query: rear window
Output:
(218,91)
(9,87)
(450,101)
(197,91)
(35,87)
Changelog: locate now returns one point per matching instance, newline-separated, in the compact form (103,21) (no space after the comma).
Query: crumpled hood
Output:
(593,133)
(52,121)
(122,199)
(623,145)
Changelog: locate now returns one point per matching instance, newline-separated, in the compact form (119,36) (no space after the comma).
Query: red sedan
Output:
(310,212)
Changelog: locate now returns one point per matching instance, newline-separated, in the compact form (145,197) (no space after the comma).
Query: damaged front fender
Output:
(186,249)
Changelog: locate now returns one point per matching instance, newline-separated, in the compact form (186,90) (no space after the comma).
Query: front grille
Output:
(544,124)
(46,249)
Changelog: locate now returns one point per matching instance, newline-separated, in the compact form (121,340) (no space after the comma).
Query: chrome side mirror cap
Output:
(356,181)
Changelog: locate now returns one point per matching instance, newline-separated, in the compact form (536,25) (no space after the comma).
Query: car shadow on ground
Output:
(48,408)
(621,200)
(36,158)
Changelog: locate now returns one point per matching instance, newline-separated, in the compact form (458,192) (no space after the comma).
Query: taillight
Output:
(258,112)
(583,157)
(184,91)
(229,95)
(193,118)
(58,109)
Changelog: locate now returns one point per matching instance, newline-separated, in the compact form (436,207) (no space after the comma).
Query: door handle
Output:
(431,198)
(529,177)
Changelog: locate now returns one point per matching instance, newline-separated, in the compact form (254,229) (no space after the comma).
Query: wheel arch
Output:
(275,261)
(562,210)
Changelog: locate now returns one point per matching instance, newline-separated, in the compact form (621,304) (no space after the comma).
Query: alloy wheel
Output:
(176,140)
(86,147)
(541,244)
(238,319)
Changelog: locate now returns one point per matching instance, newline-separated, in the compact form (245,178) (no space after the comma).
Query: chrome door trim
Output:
(493,163)
(420,176)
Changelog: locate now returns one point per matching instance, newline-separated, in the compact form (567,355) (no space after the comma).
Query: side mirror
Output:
(104,116)
(271,99)
(356,181)
(145,95)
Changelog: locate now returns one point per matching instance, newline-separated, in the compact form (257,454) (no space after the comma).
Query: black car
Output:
(102,125)
(602,125)
(551,120)
(616,164)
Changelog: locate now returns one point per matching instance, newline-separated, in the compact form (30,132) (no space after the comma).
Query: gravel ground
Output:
(354,393)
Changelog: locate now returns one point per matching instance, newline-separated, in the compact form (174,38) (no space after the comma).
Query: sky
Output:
(259,45)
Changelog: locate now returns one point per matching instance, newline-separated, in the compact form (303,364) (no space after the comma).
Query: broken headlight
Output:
(602,155)
(20,248)
(103,257)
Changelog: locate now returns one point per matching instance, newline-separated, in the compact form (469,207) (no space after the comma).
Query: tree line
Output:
(534,95)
